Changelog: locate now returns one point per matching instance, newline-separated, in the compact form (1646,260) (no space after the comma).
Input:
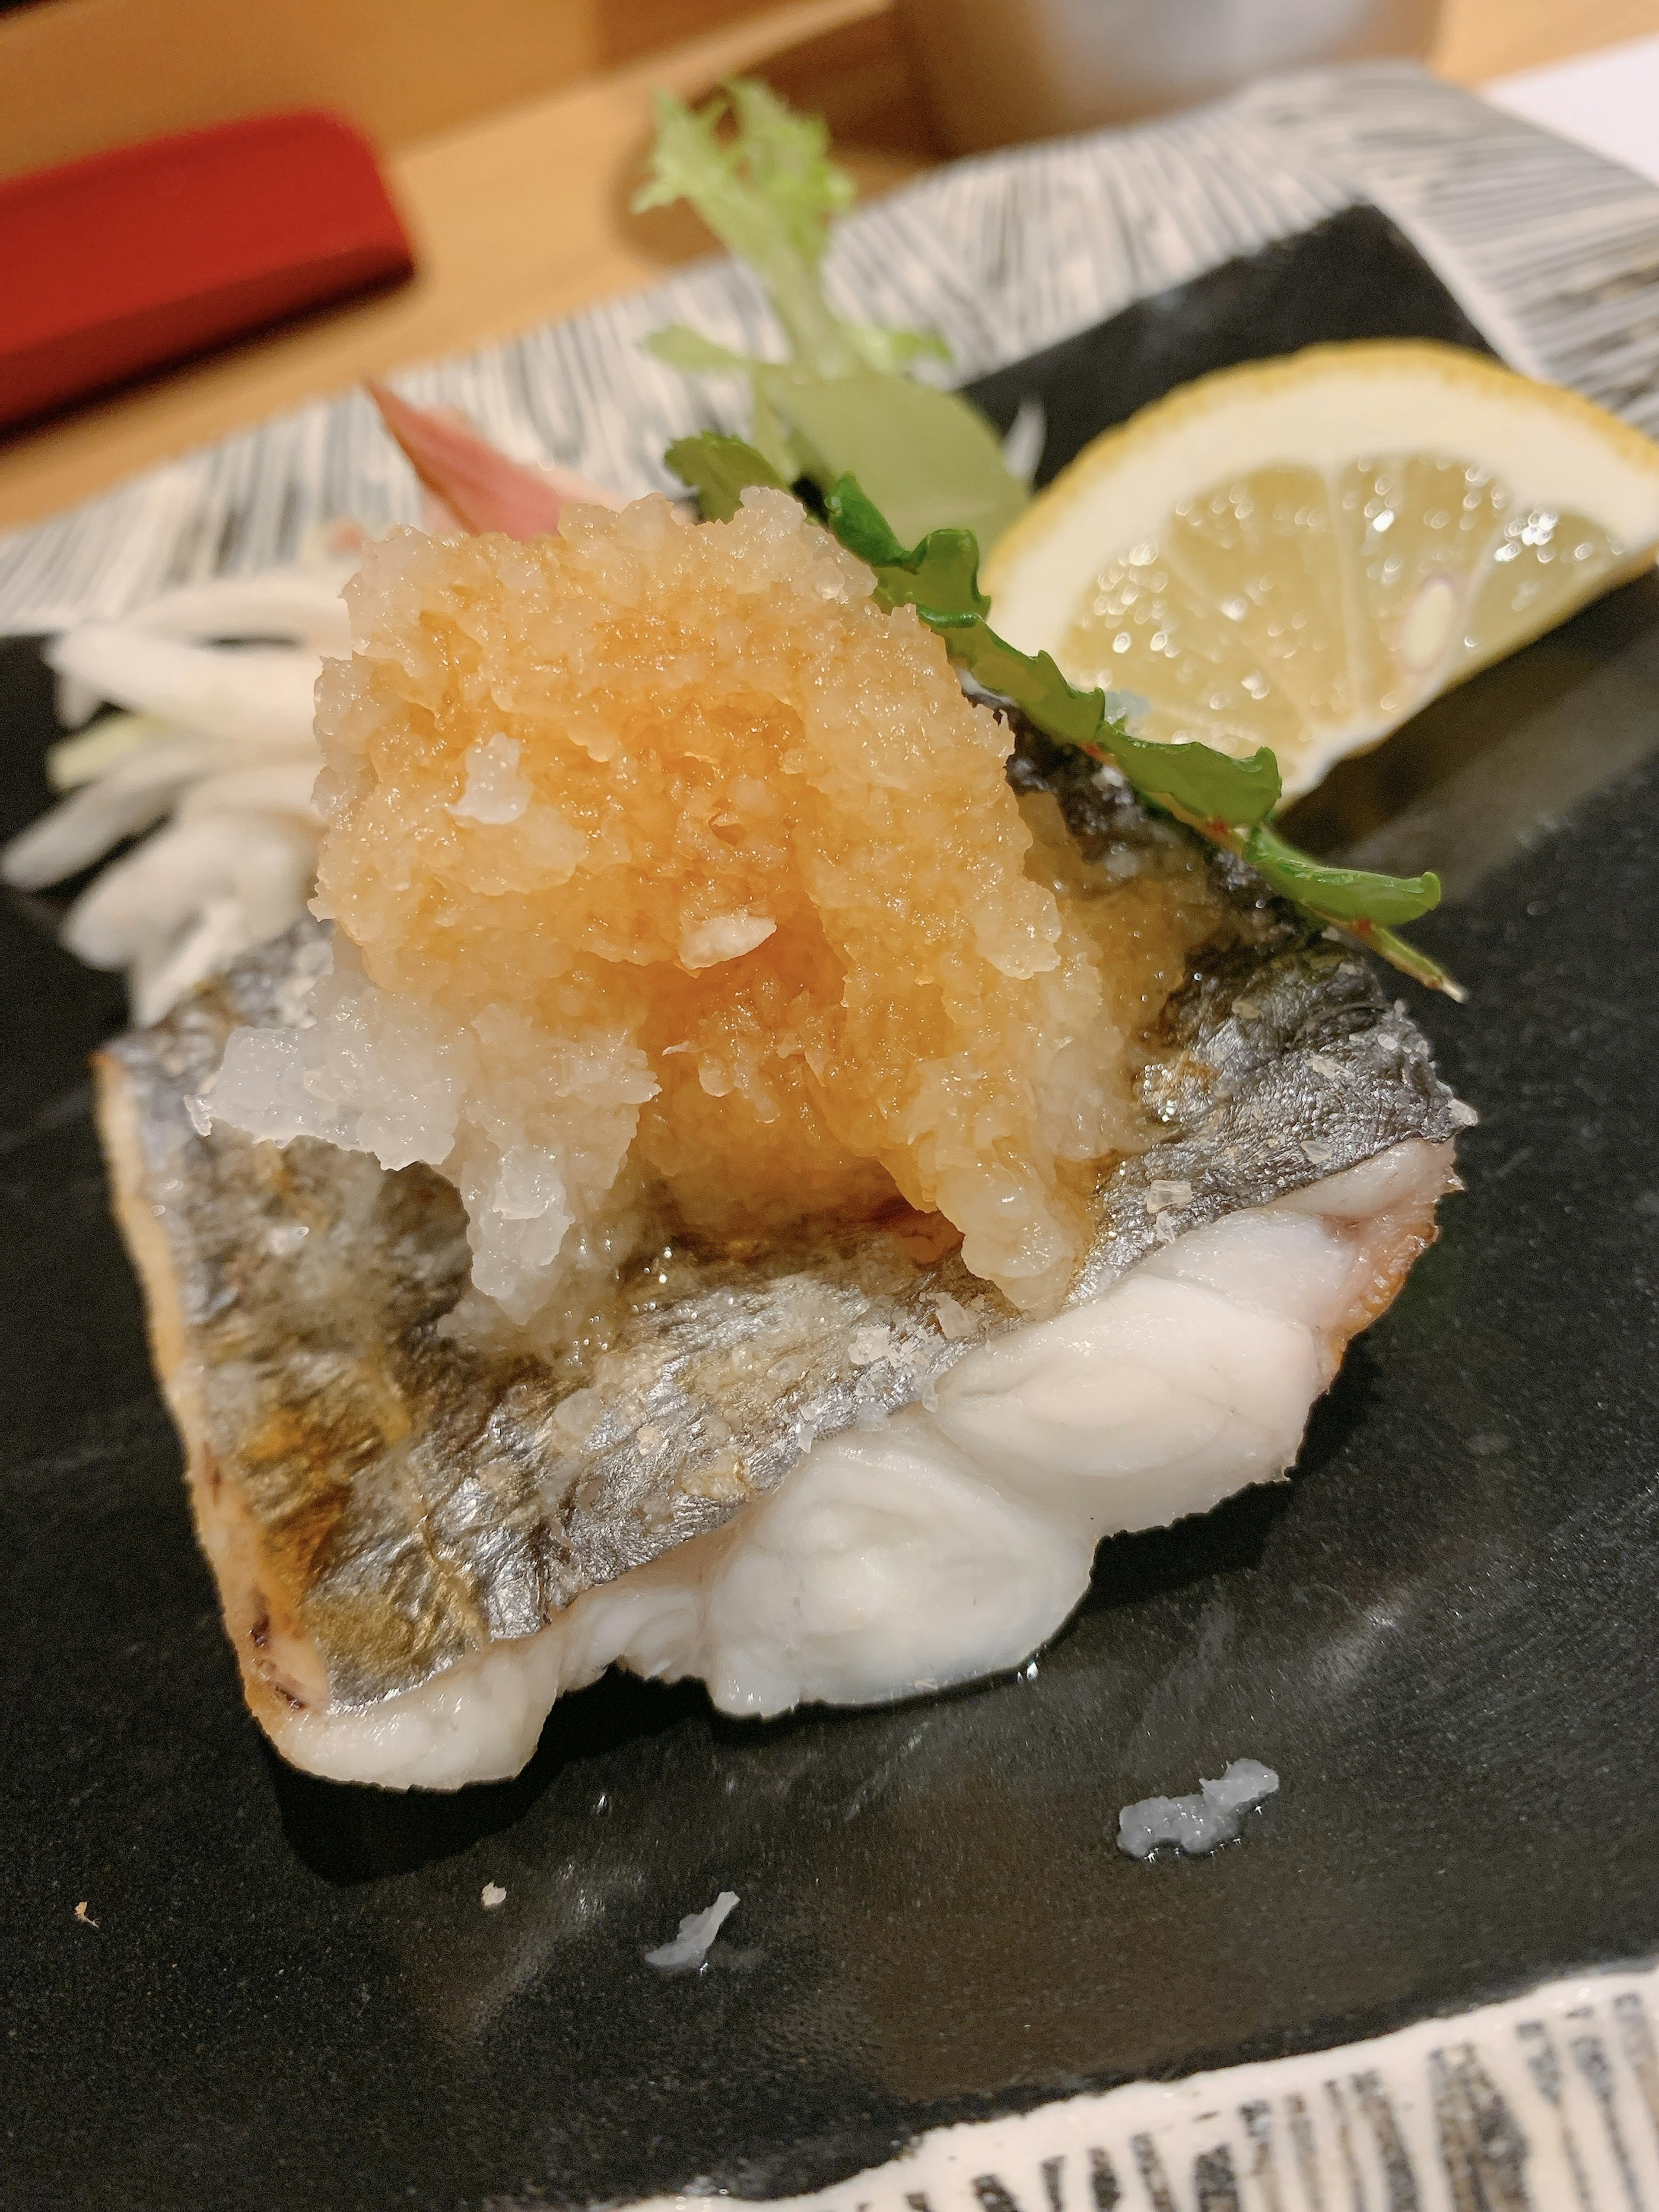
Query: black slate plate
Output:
(1353,275)
(1441,1632)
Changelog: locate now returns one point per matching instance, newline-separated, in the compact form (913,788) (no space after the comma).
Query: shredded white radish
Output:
(190,899)
(216,683)
(278,788)
(255,695)
(302,605)
(135,793)
(75,760)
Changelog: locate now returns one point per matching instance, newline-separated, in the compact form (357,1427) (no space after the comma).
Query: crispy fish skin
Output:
(380,1499)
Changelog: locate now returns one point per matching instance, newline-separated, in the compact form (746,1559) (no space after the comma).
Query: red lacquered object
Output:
(129,260)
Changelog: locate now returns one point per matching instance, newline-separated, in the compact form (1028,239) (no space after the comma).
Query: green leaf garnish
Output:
(927,458)
(1204,785)
(676,347)
(762,179)
(893,351)
(767,194)
(940,578)
(862,527)
(719,471)
(1338,894)
(1226,800)
(1410,959)
(941,574)
(1207,788)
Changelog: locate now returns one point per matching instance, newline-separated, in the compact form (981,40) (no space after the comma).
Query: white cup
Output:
(996,71)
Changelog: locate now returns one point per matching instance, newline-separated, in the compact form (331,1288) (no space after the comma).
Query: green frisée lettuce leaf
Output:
(719,471)
(927,458)
(891,352)
(678,347)
(767,193)
(761,177)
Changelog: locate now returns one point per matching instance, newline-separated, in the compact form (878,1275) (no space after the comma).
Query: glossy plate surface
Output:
(1440,1631)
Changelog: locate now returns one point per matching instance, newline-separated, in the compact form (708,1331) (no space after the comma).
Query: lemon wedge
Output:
(1301,553)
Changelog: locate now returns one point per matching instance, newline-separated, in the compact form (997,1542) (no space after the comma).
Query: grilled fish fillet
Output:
(848,1471)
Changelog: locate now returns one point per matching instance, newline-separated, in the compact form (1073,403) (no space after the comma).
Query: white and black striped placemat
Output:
(1549,2103)
(1554,251)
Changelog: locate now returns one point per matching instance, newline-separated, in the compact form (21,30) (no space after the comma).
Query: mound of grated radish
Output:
(664,860)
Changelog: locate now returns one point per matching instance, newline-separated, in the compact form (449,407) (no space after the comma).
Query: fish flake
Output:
(689,1951)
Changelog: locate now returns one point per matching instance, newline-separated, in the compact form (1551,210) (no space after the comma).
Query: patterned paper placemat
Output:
(1549,2103)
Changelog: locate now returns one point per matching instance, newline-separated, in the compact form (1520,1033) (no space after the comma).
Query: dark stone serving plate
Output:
(1441,1631)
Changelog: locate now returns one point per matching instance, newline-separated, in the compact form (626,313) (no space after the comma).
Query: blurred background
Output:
(510,135)
(81,75)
